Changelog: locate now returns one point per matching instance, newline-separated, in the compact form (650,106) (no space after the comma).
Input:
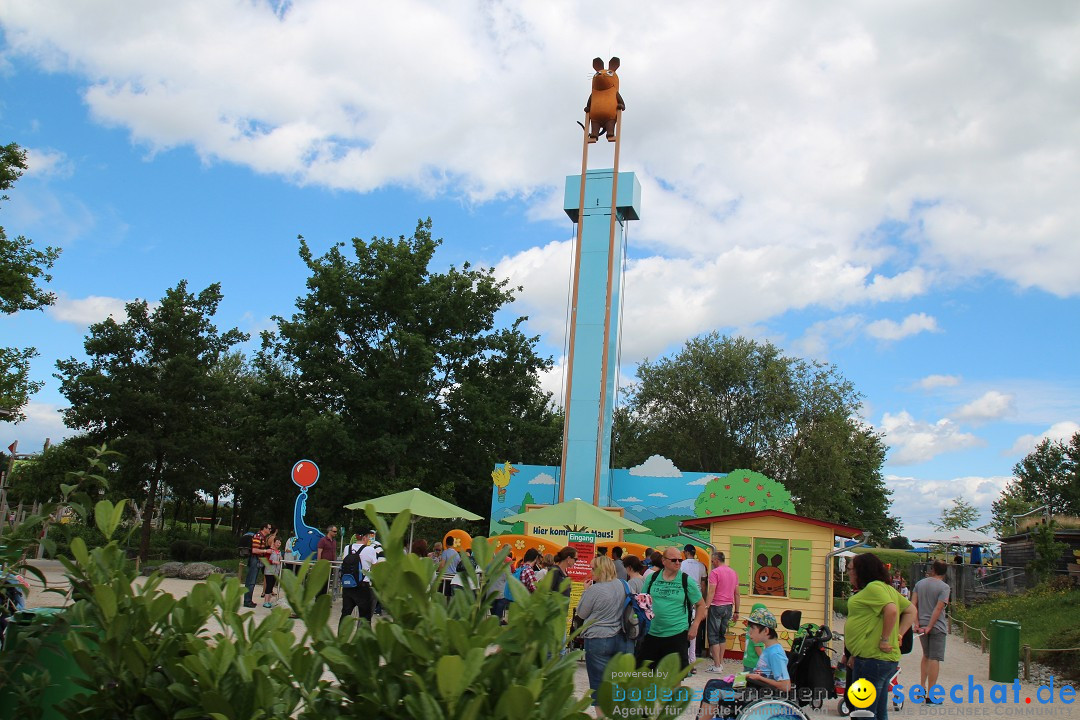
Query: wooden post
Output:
(982,643)
(1027,663)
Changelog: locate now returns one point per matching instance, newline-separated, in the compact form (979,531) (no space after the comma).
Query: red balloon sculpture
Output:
(305,474)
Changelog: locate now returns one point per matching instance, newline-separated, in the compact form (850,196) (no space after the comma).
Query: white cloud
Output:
(932,382)
(992,405)
(702,480)
(542,479)
(45,162)
(915,441)
(911,325)
(88,310)
(1062,431)
(918,501)
(819,143)
(657,495)
(629,499)
(656,466)
(43,420)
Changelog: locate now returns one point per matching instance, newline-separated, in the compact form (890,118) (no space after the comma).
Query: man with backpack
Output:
(258,551)
(675,598)
(351,578)
(369,556)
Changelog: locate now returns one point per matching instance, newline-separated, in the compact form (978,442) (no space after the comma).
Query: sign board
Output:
(558,533)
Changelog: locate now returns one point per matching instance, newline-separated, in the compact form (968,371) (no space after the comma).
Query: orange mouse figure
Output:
(605,100)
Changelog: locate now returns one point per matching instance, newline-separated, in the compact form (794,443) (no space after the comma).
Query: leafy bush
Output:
(149,655)
(840,606)
(1067,662)
(178,550)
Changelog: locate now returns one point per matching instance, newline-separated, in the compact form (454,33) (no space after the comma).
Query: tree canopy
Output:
(23,268)
(150,390)
(396,375)
(1047,476)
(961,514)
(723,403)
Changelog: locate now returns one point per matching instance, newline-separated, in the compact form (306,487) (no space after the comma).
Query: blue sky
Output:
(892,190)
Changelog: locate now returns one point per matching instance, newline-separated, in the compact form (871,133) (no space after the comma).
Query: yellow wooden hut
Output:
(781,560)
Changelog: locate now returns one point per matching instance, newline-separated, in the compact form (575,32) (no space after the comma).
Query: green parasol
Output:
(574,514)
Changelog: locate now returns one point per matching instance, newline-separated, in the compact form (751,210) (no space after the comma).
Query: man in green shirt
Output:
(674,597)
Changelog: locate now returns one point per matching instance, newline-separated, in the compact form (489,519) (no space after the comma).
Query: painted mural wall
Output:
(656,494)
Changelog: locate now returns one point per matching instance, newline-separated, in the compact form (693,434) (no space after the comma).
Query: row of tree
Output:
(391,375)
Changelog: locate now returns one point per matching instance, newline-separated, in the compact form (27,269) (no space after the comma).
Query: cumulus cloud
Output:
(1062,431)
(911,325)
(629,499)
(87,310)
(43,420)
(702,480)
(656,466)
(932,382)
(918,501)
(915,441)
(45,162)
(542,479)
(657,495)
(823,169)
(992,405)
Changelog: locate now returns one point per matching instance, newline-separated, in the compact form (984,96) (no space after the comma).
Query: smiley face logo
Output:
(862,693)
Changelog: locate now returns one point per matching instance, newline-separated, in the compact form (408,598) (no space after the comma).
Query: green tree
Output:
(961,514)
(723,403)
(899,542)
(1007,508)
(1050,475)
(399,377)
(1048,551)
(39,479)
(22,268)
(150,391)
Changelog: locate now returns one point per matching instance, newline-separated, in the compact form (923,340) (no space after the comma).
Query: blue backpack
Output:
(635,623)
(517,576)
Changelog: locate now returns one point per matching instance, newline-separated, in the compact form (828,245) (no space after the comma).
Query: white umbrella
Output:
(959,536)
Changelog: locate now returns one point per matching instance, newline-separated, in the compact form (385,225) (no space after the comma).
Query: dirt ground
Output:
(964,664)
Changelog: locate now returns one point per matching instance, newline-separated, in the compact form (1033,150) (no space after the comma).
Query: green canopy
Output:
(417,502)
(576,514)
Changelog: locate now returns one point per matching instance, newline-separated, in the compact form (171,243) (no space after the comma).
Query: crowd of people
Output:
(686,602)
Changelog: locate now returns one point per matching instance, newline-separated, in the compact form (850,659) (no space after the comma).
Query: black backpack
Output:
(351,574)
(243,547)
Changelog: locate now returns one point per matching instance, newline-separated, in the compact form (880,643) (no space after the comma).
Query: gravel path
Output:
(964,663)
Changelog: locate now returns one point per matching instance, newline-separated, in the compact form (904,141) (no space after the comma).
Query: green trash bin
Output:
(51,656)
(1004,650)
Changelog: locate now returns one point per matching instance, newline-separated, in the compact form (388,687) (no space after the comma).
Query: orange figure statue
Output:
(605,100)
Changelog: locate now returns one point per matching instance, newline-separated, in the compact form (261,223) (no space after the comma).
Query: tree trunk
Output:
(213,517)
(155,478)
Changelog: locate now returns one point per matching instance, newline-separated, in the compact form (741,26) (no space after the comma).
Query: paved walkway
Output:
(964,664)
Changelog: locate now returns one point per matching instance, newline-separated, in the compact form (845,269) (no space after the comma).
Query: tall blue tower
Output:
(601,208)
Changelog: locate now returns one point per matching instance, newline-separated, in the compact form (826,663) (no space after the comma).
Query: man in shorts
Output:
(674,599)
(930,596)
(723,598)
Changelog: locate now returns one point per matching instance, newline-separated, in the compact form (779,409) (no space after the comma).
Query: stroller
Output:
(809,663)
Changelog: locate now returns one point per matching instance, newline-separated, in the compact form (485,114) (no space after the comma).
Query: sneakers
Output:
(267,605)
(715,669)
(249,604)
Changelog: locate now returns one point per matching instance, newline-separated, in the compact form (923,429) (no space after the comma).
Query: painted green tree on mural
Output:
(742,491)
